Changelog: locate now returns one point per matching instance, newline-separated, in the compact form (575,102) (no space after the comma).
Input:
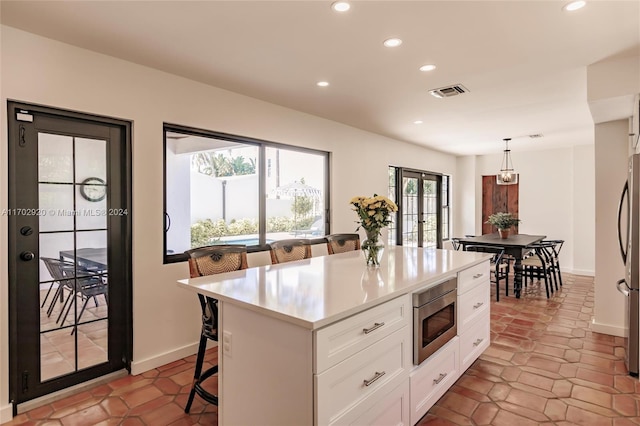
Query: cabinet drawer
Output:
(473,304)
(432,379)
(474,341)
(470,277)
(339,341)
(366,376)
(391,410)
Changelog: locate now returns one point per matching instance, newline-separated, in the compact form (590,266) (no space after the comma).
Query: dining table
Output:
(89,257)
(514,245)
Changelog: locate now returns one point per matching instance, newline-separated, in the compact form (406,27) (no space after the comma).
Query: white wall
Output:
(42,71)
(555,199)
(465,188)
(611,154)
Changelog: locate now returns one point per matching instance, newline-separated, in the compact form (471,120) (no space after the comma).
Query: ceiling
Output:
(523,62)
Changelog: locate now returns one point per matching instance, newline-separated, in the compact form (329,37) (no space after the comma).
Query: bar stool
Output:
(290,250)
(341,243)
(203,261)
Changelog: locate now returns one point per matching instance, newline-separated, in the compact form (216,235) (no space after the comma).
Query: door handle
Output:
(625,192)
(27,256)
(624,291)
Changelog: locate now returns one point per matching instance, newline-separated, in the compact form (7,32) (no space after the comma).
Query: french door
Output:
(69,248)
(420,209)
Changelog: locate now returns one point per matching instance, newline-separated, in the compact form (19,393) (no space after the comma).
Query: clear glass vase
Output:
(372,248)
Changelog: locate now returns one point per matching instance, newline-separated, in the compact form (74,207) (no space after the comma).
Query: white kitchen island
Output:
(329,341)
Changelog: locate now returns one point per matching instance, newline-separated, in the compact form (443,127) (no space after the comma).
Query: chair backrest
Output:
(61,270)
(455,243)
(290,250)
(556,246)
(341,243)
(217,259)
(497,251)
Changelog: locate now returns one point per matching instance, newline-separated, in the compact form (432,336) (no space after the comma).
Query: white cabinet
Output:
(473,342)
(362,363)
(337,342)
(367,375)
(432,379)
(473,313)
(473,305)
(473,276)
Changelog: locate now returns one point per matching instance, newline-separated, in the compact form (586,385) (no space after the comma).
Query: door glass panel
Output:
(73,278)
(56,207)
(94,159)
(55,158)
(430,214)
(410,212)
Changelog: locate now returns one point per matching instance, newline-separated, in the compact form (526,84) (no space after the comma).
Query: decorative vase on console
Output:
(374,214)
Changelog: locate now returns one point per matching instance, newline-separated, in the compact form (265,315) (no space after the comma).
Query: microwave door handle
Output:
(625,192)
(624,291)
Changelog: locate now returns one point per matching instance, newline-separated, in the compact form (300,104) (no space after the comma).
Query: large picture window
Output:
(227,189)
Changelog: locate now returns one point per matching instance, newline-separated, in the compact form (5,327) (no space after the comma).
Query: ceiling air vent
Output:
(447,92)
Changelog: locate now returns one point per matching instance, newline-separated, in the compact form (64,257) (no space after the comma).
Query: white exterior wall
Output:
(43,71)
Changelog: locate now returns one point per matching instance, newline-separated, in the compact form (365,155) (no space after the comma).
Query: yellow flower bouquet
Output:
(374,213)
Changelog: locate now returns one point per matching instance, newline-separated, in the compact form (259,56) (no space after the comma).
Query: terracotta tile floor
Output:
(544,367)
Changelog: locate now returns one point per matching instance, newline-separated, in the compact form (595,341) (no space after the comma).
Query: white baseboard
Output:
(6,413)
(586,272)
(139,367)
(613,330)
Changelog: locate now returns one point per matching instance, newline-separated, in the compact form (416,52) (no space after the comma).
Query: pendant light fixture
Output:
(507,175)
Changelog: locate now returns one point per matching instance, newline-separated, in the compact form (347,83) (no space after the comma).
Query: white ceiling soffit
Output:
(523,62)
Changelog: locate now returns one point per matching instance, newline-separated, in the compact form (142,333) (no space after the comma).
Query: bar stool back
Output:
(203,261)
(341,243)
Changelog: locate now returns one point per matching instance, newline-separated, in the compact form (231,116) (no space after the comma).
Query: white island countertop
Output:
(315,292)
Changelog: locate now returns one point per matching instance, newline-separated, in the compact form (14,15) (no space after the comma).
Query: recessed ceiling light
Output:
(574,5)
(392,42)
(429,67)
(340,6)
(323,83)
(418,122)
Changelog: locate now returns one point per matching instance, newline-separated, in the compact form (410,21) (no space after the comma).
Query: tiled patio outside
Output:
(544,367)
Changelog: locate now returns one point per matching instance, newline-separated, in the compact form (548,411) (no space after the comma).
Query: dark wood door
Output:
(497,198)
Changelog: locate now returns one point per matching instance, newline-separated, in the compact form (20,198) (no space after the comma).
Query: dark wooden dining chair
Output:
(290,250)
(341,243)
(501,267)
(204,261)
(537,265)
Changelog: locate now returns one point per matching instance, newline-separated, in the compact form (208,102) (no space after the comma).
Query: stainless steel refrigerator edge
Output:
(629,239)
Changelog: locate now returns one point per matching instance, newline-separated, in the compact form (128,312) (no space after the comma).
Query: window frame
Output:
(262,170)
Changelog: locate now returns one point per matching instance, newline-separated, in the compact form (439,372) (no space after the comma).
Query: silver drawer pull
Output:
(376,326)
(440,378)
(476,276)
(477,342)
(477,305)
(376,377)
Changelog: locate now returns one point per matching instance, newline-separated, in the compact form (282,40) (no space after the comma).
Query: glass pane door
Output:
(73,267)
(421,209)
